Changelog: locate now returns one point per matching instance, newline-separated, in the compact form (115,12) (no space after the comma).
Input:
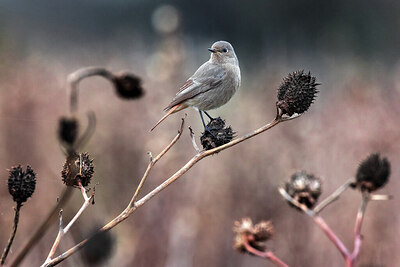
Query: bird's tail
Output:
(174,109)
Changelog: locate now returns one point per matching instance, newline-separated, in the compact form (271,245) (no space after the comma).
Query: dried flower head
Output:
(254,235)
(77,169)
(305,188)
(21,184)
(128,86)
(296,93)
(68,130)
(372,173)
(217,135)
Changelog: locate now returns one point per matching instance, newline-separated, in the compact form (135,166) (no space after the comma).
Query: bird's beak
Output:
(212,50)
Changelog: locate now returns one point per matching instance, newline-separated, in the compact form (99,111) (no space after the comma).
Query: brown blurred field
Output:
(190,223)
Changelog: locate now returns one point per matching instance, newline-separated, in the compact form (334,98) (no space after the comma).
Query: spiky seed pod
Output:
(218,134)
(255,235)
(263,231)
(296,93)
(305,188)
(77,169)
(21,184)
(373,173)
(128,86)
(68,129)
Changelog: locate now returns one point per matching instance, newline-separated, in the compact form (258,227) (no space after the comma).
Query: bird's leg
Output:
(206,129)
(209,116)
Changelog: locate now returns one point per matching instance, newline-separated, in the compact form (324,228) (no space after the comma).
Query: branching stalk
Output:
(133,205)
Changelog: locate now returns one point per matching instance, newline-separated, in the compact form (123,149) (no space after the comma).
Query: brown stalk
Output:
(14,231)
(133,205)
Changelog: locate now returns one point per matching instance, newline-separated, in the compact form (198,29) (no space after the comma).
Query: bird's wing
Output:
(207,77)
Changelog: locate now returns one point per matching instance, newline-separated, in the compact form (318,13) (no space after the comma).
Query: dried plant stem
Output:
(320,222)
(77,76)
(153,161)
(51,217)
(132,206)
(357,230)
(63,230)
(333,197)
(350,257)
(14,231)
(264,254)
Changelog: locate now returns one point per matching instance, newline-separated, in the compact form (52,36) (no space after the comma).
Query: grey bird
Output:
(211,86)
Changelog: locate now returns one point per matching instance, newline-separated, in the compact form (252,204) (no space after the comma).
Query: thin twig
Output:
(152,162)
(194,140)
(63,230)
(264,254)
(195,159)
(14,231)
(51,217)
(320,222)
(333,197)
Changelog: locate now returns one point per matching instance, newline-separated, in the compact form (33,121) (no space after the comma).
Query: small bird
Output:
(211,86)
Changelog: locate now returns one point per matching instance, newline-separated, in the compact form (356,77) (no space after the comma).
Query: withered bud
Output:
(305,188)
(21,184)
(128,86)
(217,135)
(68,130)
(77,169)
(296,93)
(254,235)
(373,173)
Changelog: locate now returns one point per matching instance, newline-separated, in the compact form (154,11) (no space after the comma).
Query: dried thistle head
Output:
(77,169)
(21,184)
(296,93)
(373,173)
(254,235)
(217,135)
(68,129)
(128,86)
(305,188)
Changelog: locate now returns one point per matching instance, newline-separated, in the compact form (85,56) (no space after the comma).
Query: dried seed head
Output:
(218,134)
(296,93)
(21,184)
(128,86)
(305,188)
(68,128)
(254,235)
(77,169)
(372,173)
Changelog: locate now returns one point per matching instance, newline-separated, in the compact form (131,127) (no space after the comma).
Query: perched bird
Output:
(211,86)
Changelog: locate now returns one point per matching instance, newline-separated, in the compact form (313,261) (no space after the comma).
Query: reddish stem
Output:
(264,254)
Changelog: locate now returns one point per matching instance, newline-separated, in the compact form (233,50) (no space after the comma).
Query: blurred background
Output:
(352,47)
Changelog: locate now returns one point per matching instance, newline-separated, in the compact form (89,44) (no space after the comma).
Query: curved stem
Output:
(14,231)
(77,76)
(264,254)
(333,197)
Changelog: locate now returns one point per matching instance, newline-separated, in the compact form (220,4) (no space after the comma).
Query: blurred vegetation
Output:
(350,46)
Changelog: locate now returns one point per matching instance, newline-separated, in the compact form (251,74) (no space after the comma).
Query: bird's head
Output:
(222,52)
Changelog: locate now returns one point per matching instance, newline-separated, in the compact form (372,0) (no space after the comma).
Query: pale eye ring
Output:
(225,50)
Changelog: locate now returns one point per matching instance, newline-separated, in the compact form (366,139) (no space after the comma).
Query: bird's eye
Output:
(225,50)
